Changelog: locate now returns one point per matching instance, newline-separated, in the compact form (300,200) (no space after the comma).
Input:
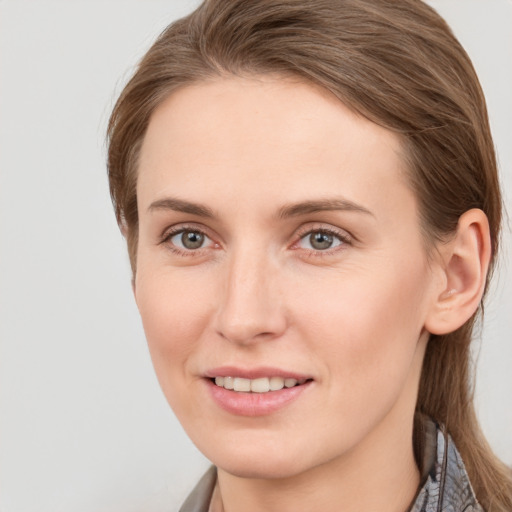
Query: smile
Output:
(260,385)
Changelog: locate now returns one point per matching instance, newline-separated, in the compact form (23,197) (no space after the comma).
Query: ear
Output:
(464,262)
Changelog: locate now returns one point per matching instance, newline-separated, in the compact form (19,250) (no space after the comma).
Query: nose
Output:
(251,307)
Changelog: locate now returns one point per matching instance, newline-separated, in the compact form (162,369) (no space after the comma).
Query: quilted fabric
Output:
(447,487)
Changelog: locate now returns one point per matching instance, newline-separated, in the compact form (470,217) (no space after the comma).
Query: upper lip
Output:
(254,373)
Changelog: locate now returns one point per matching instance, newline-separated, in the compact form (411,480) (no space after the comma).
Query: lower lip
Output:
(255,404)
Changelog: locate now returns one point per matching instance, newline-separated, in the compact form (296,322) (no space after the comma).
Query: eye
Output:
(189,239)
(320,240)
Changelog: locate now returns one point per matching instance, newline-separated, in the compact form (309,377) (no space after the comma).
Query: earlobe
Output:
(465,261)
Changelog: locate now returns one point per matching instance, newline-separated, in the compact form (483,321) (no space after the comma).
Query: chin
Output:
(260,460)
(256,468)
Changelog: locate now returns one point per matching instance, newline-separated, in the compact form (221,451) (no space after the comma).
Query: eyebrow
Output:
(179,205)
(334,204)
(287,211)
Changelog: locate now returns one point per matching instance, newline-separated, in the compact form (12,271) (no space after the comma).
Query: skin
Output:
(257,293)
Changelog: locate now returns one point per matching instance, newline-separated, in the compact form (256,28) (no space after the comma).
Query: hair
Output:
(395,62)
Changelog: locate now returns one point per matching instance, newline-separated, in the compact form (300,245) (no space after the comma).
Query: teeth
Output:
(261,385)
(289,383)
(276,383)
(242,384)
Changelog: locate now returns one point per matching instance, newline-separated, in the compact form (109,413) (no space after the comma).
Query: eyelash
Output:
(169,234)
(343,237)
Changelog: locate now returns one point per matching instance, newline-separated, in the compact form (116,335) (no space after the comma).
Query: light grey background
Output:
(83,424)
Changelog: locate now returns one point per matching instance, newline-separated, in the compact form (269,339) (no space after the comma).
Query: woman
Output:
(311,204)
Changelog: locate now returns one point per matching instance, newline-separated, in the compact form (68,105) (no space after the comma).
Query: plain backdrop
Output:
(84,426)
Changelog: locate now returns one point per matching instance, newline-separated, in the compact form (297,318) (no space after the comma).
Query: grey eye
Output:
(192,239)
(189,240)
(320,241)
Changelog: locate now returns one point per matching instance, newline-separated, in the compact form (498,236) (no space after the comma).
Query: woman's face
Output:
(279,245)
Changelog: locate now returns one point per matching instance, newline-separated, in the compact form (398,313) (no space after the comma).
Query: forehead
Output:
(279,138)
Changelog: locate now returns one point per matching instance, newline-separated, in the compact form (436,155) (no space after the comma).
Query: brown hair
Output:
(395,62)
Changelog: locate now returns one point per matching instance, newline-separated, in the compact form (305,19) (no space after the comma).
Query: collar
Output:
(444,485)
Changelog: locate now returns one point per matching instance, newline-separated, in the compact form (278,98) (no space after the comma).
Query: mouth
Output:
(259,385)
(256,391)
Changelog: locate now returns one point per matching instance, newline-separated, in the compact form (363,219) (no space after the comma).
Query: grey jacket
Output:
(444,482)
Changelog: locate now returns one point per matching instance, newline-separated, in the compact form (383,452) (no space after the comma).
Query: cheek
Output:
(365,325)
(175,309)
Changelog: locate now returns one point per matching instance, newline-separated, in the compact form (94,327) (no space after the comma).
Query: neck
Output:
(380,475)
